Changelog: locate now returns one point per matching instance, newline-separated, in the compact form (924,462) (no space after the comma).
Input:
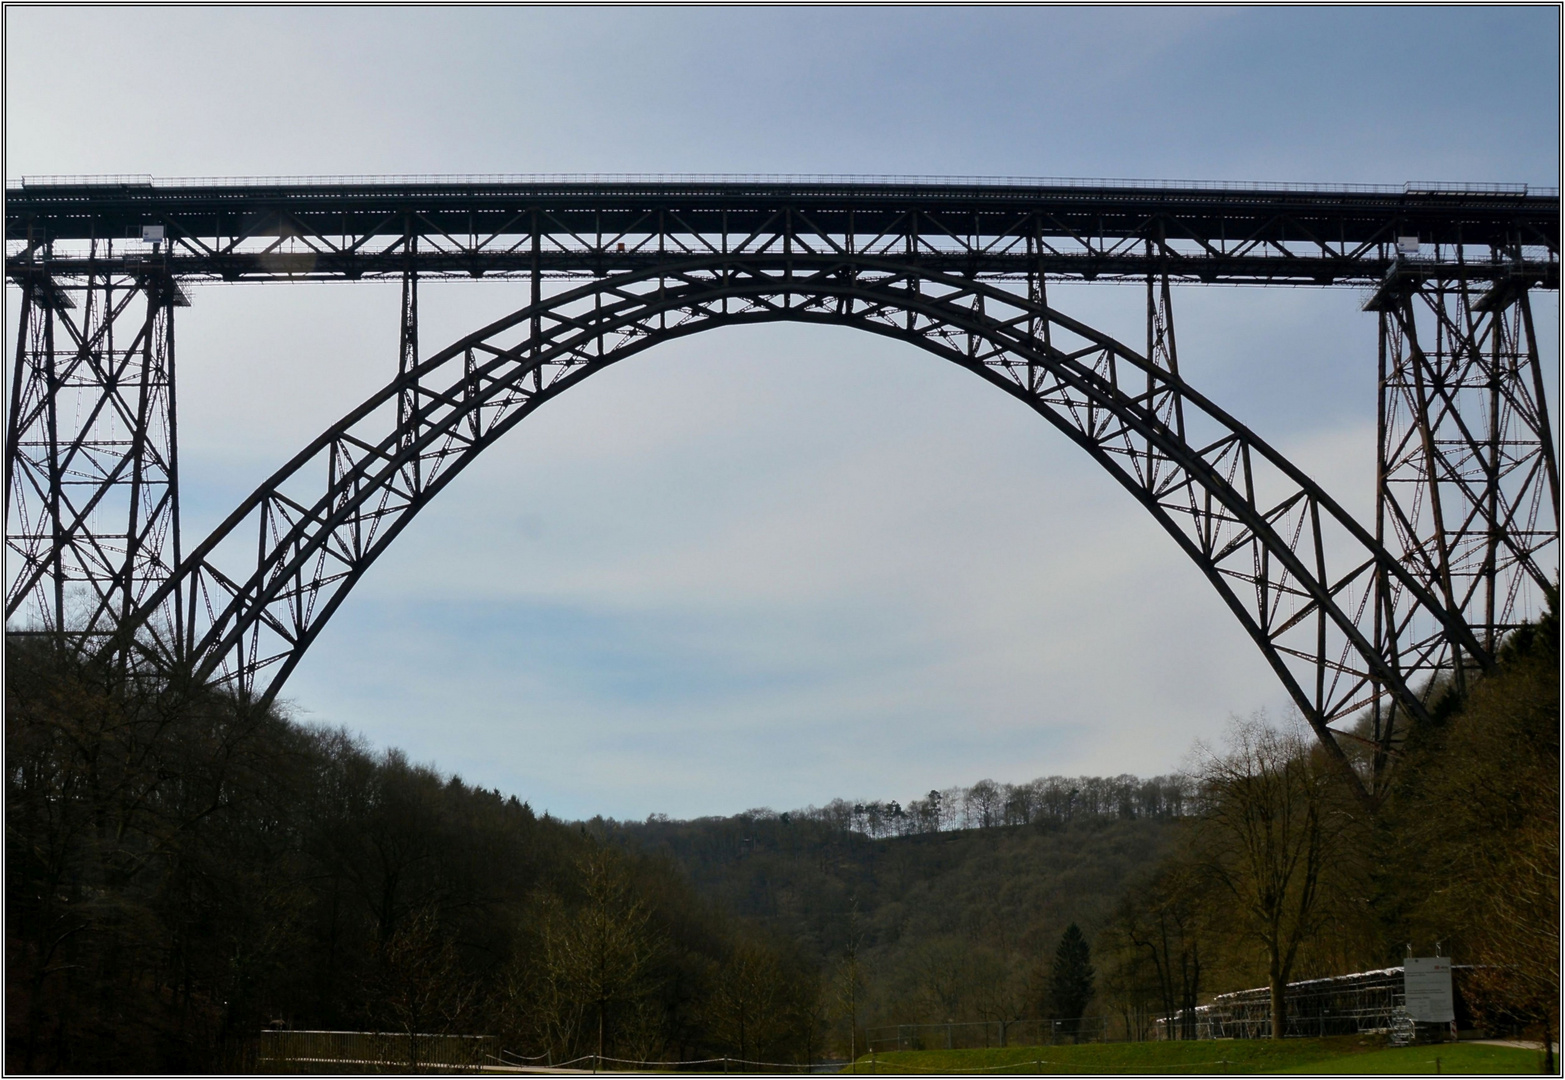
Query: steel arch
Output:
(1302,576)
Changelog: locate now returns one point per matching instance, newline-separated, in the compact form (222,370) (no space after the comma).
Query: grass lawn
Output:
(1453,1058)
(1346,1054)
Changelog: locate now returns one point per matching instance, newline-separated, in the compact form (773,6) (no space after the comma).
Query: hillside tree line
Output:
(1048,800)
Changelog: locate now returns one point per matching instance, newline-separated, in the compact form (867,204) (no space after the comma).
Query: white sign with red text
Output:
(1427,983)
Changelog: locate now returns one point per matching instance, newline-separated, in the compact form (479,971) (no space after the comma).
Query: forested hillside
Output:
(954,919)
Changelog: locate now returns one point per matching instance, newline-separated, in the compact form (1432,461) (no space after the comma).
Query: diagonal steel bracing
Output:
(92,472)
(1468,484)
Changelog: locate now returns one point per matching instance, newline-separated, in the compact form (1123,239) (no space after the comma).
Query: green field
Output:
(1348,1054)
(1452,1059)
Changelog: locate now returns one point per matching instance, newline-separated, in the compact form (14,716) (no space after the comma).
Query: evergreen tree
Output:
(1070,980)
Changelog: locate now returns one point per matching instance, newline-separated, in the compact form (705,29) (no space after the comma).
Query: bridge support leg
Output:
(407,354)
(1467,482)
(92,474)
(1164,402)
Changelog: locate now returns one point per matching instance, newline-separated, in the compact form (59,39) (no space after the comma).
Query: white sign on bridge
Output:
(1427,983)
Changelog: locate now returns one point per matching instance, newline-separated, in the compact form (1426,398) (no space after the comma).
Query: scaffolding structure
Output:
(1362,1003)
(372,1051)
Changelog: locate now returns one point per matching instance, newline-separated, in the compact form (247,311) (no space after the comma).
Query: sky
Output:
(772,566)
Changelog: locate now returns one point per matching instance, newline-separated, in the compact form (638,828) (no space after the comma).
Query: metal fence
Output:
(985,1033)
(511,1061)
(372,1051)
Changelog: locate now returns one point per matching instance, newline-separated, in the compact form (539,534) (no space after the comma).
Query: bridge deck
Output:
(352,228)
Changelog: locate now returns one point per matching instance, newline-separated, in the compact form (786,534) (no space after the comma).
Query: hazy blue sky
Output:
(778,565)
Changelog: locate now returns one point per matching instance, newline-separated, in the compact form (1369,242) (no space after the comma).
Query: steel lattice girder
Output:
(92,477)
(1299,573)
(1468,489)
(346,230)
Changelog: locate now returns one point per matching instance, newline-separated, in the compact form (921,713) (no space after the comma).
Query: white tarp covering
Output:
(1427,980)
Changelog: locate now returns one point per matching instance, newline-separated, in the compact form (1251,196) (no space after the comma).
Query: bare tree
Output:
(939,969)
(748,1000)
(418,985)
(1162,924)
(984,804)
(850,983)
(596,957)
(1272,812)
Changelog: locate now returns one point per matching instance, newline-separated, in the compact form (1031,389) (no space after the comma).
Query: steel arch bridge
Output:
(1354,619)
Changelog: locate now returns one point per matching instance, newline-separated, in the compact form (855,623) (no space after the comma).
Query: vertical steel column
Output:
(1038,295)
(1162,401)
(174,607)
(407,353)
(787,253)
(1541,401)
(537,298)
(1383,709)
(152,539)
(1468,488)
(33,533)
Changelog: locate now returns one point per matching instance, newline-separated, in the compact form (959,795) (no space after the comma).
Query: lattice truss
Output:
(1293,566)
(320,238)
(508,244)
(1468,491)
(92,494)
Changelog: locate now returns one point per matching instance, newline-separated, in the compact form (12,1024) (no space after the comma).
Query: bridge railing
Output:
(1443,187)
